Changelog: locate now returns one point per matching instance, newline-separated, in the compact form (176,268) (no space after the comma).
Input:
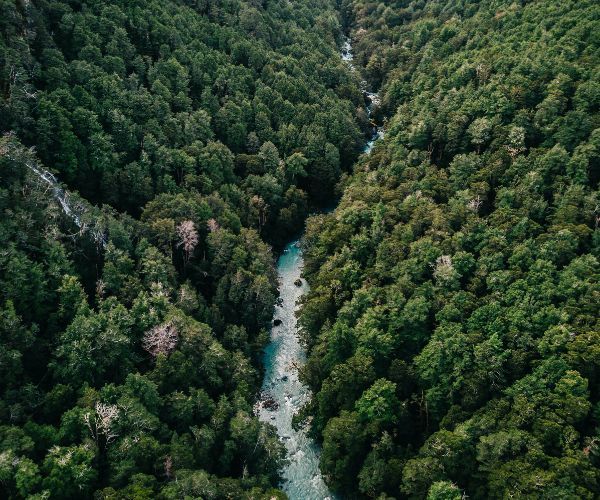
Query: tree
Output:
(69,470)
(378,405)
(295,166)
(480,132)
(188,238)
(344,446)
(269,156)
(161,339)
(444,490)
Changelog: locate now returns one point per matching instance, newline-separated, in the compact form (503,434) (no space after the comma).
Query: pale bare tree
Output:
(443,268)
(475,204)
(188,238)
(101,421)
(212,225)
(161,339)
(168,465)
(100,288)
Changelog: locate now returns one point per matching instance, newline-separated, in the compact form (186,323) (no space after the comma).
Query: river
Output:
(372,99)
(282,392)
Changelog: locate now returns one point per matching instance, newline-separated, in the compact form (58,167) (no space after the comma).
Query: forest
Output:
(193,137)
(453,320)
(156,156)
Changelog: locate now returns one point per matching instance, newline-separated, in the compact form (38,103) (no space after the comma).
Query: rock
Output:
(298,282)
(284,378)
(268,402)
(279,302)
(277,322)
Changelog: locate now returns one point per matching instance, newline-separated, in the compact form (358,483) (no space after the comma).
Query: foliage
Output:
(189,137)
(452,322)
(461,265)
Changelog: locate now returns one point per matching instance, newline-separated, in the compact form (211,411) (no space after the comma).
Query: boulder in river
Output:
(269,402)
(277,322)
(298,282)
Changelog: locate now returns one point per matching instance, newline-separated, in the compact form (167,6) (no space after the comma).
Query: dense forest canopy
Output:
(453,318)
(135,298)
(154,156)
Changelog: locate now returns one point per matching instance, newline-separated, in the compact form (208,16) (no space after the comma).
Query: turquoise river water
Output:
(282,392)
(302,479)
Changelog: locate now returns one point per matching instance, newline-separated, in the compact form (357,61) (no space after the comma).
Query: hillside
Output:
(154,151)
(453,318)
(156,156)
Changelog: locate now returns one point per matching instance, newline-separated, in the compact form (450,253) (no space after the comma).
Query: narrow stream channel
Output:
(372,99)
(282,392)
